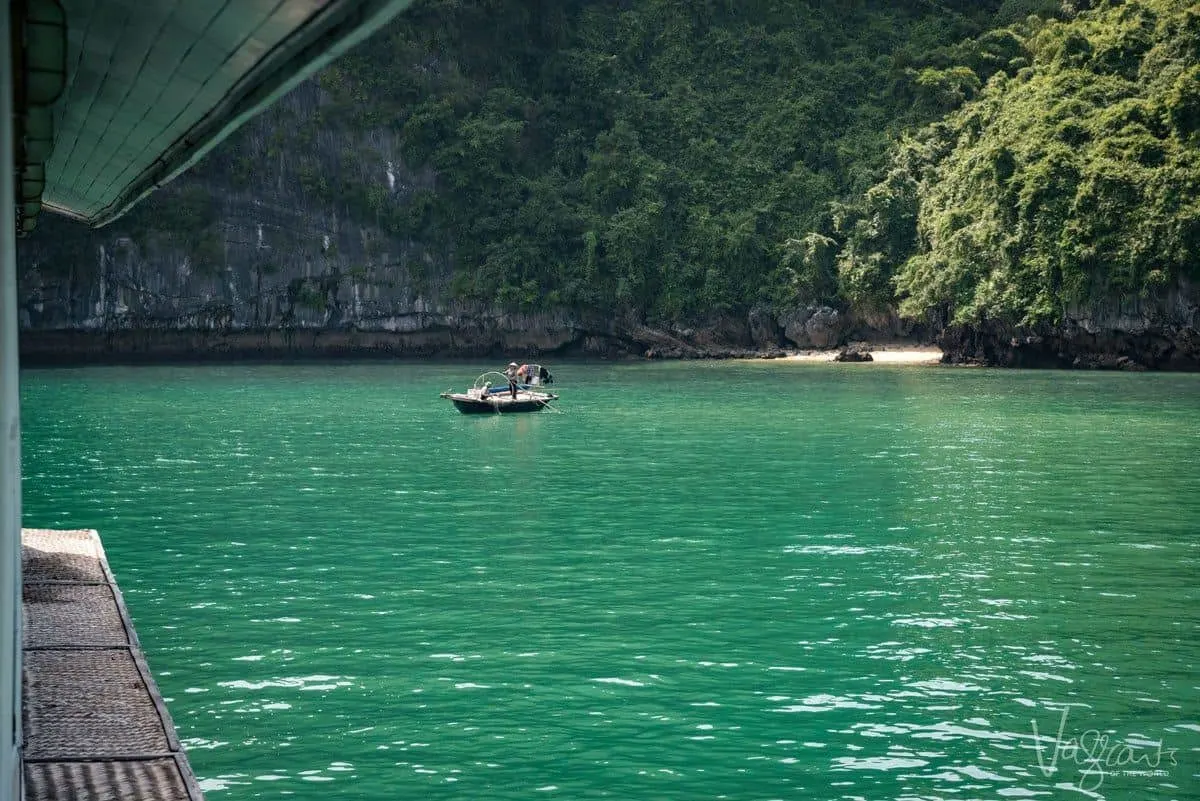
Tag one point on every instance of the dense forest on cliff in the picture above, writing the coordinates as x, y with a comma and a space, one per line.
654, 157
664, 161
673, 160
1072, 177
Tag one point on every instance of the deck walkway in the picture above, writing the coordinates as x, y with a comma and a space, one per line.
95, 727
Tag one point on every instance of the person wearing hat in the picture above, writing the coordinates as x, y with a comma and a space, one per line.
511, 374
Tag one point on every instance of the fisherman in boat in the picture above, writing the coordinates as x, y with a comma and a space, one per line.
511, 374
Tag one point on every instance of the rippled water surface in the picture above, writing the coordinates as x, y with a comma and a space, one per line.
697, 581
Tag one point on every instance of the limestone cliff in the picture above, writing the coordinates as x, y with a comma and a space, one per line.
632, 211
252, 254
1123, 334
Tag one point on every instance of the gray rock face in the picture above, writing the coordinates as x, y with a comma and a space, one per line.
765, 332
813, 326
248, 240
1122, 334
793, 322
825, 328
855, 352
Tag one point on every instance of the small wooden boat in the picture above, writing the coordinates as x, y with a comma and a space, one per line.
491, 395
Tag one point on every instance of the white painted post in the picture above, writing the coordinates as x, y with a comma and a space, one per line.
10, 444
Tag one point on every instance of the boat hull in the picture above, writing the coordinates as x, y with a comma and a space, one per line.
501, 404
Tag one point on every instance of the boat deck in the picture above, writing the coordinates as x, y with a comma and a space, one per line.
95, 727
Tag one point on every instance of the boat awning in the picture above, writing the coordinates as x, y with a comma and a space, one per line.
150, 86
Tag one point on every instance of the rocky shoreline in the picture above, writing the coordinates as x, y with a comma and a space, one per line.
1074, 347
814, 333
426, 333
152, 346
998, 347
76, 349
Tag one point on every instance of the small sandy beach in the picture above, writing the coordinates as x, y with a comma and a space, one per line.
880, 354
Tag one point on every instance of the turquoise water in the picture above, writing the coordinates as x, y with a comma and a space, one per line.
698, 581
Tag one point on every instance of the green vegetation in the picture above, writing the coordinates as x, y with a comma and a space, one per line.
655, 158
1075, 179
666, 160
